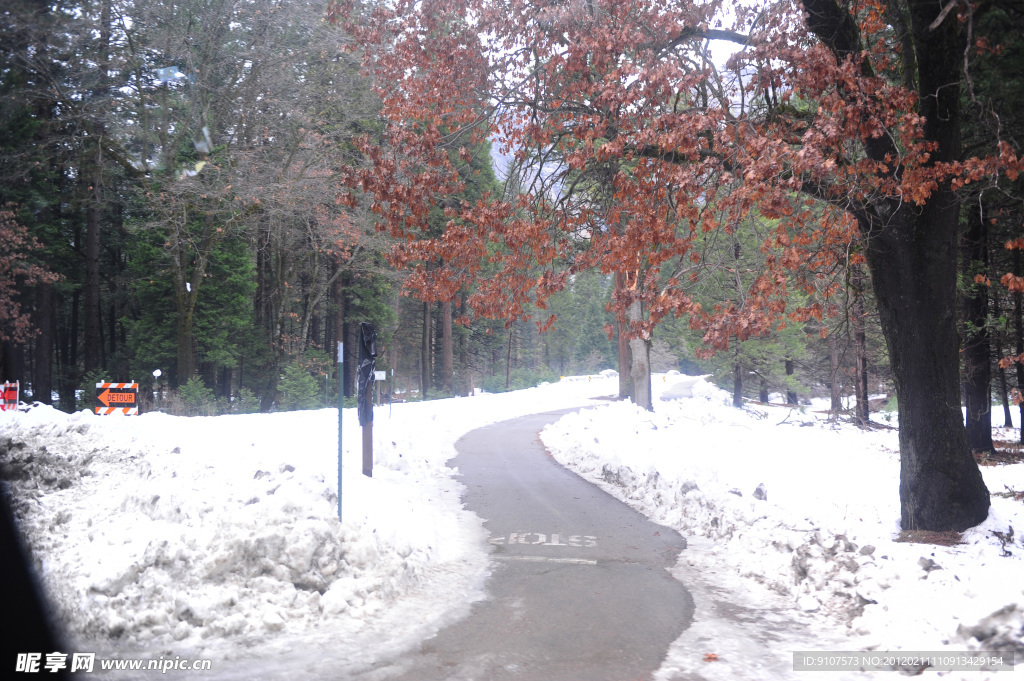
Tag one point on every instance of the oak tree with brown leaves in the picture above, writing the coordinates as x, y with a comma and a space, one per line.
838, 121
17, 269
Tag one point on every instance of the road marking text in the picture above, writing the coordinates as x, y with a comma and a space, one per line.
538, 539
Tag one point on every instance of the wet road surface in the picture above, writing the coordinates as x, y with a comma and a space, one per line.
580, 588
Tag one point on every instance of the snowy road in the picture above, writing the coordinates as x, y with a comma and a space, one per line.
580, 587
163, 537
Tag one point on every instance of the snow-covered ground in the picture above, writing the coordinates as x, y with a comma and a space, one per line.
218, 538
809, 510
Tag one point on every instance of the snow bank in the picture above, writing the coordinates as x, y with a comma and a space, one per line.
212, 537
810, 510
219, 537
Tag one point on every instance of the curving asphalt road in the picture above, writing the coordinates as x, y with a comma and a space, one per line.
580, 588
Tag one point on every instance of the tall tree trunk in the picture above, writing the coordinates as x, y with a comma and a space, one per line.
184, 304
737, 385
425, 353
940, 485
351, 358
42, 382
977, 351
912, 256
76, 305
185, 353
860, 347
447, 350
762, 393
65, 369
10, 362
640, 361
315, 332
1004, 394
625, 383
1018, 331
508, 357
791, 397
328, 321
1004, 398
224, 379
396, 346
111, 332
92, 341
186, 291
835, 388
464, 371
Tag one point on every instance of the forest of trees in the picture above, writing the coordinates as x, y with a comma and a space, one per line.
224, 190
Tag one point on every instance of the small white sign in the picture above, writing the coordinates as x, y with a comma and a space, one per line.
380, 375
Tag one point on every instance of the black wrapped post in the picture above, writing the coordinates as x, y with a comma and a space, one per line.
367, 365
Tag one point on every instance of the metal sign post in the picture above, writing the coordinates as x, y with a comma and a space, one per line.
341, 403
156, 385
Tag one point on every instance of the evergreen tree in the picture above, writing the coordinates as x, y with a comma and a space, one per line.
223, 321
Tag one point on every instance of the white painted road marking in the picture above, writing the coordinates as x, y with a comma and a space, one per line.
546, 559
538, 539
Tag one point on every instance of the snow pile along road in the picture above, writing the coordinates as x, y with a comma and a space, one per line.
219, 537
810, 510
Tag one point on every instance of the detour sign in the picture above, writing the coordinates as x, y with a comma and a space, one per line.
117, 398
10, 396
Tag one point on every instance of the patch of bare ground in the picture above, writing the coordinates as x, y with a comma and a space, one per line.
950, 538
1010, 493
1007, 452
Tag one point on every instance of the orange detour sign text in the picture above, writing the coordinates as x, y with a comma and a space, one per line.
117, 398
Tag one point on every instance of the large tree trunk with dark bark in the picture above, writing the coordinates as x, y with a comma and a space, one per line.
462, 386
12, 361
912, 255
1018, 332
860, 347
447, 350
425, 368
1000, 371
940, 485
351, 358
92, 341
42, 382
